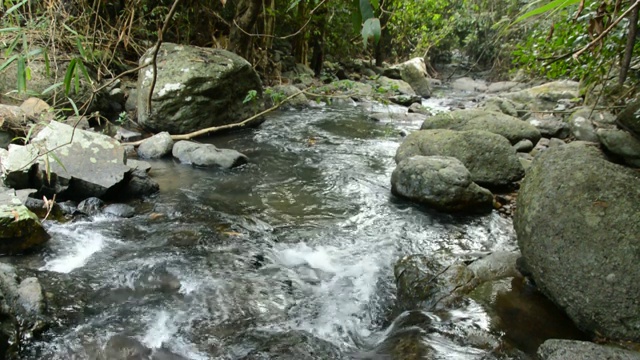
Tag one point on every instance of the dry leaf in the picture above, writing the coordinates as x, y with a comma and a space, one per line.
15, 214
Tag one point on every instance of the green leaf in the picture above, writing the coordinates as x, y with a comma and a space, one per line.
371, 29
57, 160
293, 4
554, 5
12, 46
68, 76
70, 29
22, 76
366, 10
8, 62
51, 88
83, 71
14, 7
80, 48
75, 108
47, 64
375, 4
9, 29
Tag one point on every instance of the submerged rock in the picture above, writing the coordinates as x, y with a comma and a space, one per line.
91, 206
578, 232
119, 210
489, 157
195, 88
439, 182
207, 155
510, 127
290, 345
556, 349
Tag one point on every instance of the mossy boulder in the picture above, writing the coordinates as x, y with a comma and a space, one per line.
20, 229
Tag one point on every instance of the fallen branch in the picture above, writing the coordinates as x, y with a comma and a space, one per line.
214, 129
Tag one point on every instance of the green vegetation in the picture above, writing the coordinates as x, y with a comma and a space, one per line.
92, 39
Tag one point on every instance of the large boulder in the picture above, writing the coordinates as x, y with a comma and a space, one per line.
70, 162
621, 143
578, 230
414, 72
510, 127
489, 157
195, 88
439, 182
20, 229
557, 349
546, 96
629, 118
207, 155
388, 86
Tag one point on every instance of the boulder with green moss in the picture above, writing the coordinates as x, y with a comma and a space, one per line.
20, 229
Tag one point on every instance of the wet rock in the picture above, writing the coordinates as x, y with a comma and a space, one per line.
119, 210
556, 349
510, 127
502, 105
140, 184
121, 347
392, 86
439, 182
91, 206
423, 283
388, 117
419, 109
629, 118
621, 143
86, 163
30, 295
68, 207
138, 165
551, 128
489, 157
290, 345
355, 90
157, 146
581, 239
279, 92
495, 266
192, 84
20, 229
5, 140
523, 146
414, 73
405, 100
584, 121
207, 155
469, 84
164, 354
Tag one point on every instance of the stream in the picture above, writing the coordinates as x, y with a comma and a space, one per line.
288, 257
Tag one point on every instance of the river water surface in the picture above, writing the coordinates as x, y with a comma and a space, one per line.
298, 246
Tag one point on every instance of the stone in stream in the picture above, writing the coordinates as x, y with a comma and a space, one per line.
20, 229
510, 127
290, 345
76, 164
545, 97
489, 157
196, 88
119, 210
157, 146
578, 230
207, 155
557, 349
91, 206
440, 182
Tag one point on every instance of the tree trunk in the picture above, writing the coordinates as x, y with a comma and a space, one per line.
246, 16
631, 41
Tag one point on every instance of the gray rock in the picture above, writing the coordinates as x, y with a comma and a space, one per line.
389, 117
523, 146
577, 229
495, 266
553, 142
551, 128
157, 146
510, 127
207, 155
132, 100
393, 86
140, 184
414, 73
290, 345
138, 165
80, 163
556, 349
502, 105
581, 126
30, 295
489, 157
91, 206
621, 143
121, 347
423, 283
279, 92
126, 135
196, 88
20, 229
469, 84
5, 139
439, 182
546, 96
119, 210
405, 100
629, 118
419, 109
503, 86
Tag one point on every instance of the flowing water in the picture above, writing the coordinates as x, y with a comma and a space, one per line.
298, 246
